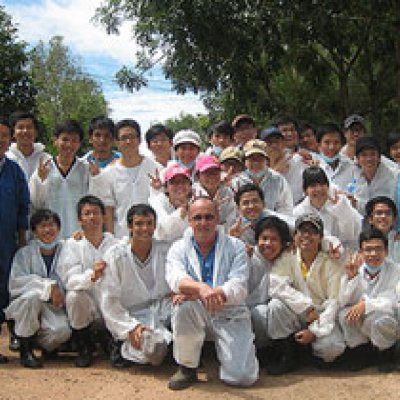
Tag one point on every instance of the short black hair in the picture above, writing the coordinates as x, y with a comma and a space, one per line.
5, 121
369, 207
44, 214
102, 122
222, 127
305, 126
248, 187
392, 138
140, 209
313, 175
131, 123
18, 115
69, 126
370, 233
277, 224
93, 201
157, 130
285, 119
330, 128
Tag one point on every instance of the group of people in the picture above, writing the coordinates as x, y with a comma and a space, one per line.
277, 245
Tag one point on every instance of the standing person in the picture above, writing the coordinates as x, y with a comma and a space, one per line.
210, 270
14, 210
244, 129
393, 147
135, 297
374, 177
25, 151
101, 137
368, 302
307, 138
288, 127
125, 182
187, 144
81, 269
37, 298
277, 193
220, 137
60, 182
354, 128
159, 141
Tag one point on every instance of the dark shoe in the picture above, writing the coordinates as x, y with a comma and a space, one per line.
27, 357
386, 360
84, 344
14, 344
284, 360
3, 359
183, 378
116, 359
359, 357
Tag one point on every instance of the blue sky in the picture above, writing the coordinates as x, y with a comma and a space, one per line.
102, 55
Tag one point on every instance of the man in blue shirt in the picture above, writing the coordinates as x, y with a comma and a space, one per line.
14, 209
209, 270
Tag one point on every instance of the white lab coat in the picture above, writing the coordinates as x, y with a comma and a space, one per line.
30, 163
30, 290
230, 327
340, 220
75, 269
322, 287
170, 224
379, 324
61, 193
126, 301
277, 194
120, 187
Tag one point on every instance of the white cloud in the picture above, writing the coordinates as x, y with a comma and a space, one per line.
43, 19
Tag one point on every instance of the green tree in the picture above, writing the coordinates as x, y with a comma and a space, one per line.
64, 90
17, 91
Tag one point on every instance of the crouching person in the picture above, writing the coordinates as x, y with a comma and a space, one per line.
37, 300
314, 274
210, 270
135, 298
81, 268
368, 301
273, 303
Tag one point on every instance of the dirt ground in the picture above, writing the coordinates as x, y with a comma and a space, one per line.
62, 381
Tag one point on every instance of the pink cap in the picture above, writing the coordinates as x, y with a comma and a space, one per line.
175, 170
205, 162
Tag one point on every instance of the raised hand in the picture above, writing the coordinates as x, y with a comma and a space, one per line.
230, 174
334, 251
353, 264
155, 180
43, 169
238, 228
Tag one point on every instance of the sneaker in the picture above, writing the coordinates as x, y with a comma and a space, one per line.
183, 378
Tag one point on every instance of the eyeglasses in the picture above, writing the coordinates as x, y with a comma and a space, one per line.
206, 217
373, 249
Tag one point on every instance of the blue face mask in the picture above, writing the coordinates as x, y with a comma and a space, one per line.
216, 150
372, 270
189, 166
252, 174
48, 246
329, 160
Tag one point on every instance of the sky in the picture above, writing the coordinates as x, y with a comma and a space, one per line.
101, 55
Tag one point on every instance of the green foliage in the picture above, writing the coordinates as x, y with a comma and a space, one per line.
16, 87
64, 90
316, 59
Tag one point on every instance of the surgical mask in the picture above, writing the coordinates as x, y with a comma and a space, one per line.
216, 150
189, 166
252, 174
48, 246
330, 160
372, 270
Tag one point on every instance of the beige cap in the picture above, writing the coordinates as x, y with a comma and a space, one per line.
255, 146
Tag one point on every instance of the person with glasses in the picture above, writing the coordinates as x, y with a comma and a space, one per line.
210, 270
368, 314
381, 212
125, 182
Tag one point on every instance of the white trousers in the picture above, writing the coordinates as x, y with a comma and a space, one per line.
232, 333
378, 327
81, 308
33, 316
